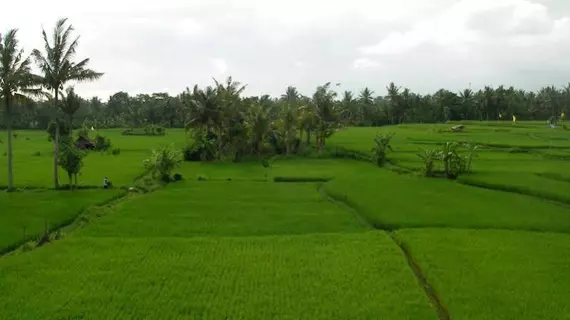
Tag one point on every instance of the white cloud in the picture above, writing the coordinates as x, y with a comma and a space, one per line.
365, 63
220, 66
269, 44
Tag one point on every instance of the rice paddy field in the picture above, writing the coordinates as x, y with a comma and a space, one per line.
306, 238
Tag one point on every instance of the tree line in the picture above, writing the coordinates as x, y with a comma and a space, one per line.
225, 123
364, 108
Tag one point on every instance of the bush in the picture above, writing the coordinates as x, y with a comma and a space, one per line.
162, 162
191, 153
83, 132
36, 154
429, 158
177, 177
116, 152
102, 143
128, 132
150, 130
202, 147
201, 177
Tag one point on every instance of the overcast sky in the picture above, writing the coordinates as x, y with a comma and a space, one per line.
167, 45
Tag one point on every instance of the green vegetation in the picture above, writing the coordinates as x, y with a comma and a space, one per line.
289, 207
318, 276
248, 208
490, 274
26, 215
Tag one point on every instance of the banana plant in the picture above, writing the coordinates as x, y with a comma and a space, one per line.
429, 157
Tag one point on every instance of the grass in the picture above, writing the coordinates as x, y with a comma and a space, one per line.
319, 276
25, 215
490, 274
221, 208
389, 200
511, 157
33, 159
235, 241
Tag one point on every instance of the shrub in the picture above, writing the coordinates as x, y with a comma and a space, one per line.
429, 158
380, 150
127, 132
83, 132
15, 135
202, 147
177, 177
102, 143
201, 177
36, 154
116, 151
453, 163
150, 130
162, 162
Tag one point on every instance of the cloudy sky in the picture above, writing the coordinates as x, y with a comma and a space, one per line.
425, 45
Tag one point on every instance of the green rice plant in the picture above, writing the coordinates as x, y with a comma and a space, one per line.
495, 274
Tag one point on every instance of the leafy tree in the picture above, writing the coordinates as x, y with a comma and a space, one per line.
57, 68
16, 82
71, 160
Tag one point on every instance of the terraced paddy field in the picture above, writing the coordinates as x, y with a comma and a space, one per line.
342, 239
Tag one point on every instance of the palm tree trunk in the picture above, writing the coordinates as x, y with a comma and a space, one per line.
70, 122
56, 144
9, 129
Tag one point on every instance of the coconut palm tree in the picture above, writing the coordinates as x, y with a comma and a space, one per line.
58, 68
16, 82
71, 103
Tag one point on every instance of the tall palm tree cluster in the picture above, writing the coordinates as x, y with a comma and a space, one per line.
364, 108
56, 62
225, 125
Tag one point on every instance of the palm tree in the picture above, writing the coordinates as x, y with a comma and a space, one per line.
16, 80
291, 94
58, 68
326, 116
71, 103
